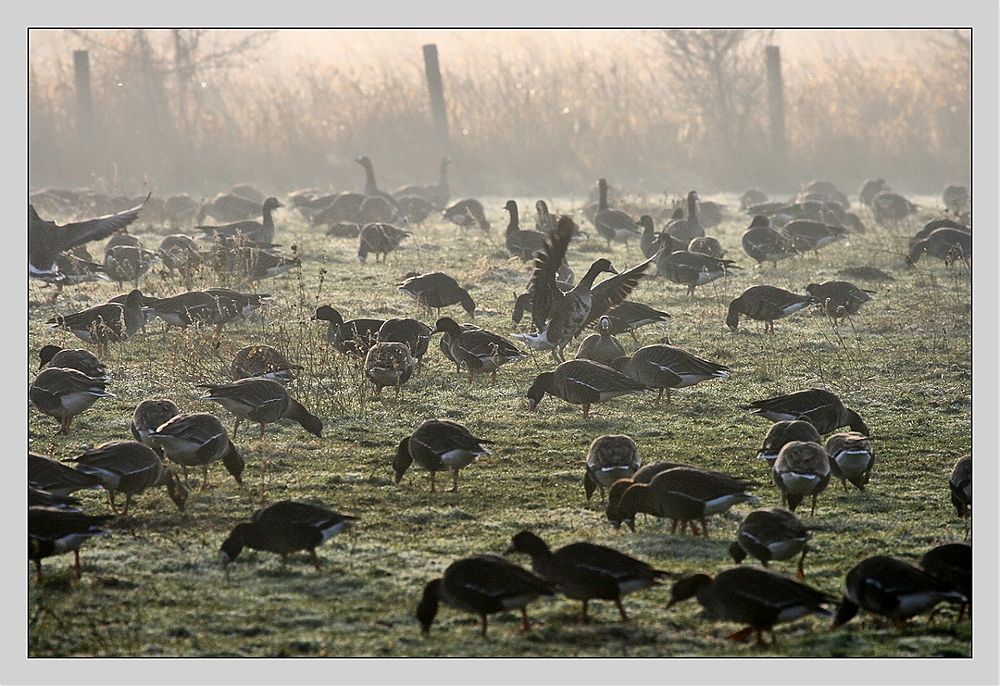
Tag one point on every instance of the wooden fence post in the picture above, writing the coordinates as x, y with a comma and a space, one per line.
776, 103
438, 110
84, 99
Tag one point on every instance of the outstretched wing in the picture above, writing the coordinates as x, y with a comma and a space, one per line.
545, 293
614, 291
72, 235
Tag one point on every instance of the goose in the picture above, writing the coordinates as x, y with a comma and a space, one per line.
664, 367
379, 209
148, 416
56, 478
956, 198
127, 263
73, 269
435, 194
103, 324
952, 564
187, 309
828, 190
586, 571
601, 347
344, 230
765, 304
839, 298
46, 239
686, 229
435, 290
481, 585
751, 197
651, 243
379, 239
194, 439
692, 269
284, 527
544, 221
771, 534
891, 207
415, 334
415, 208
468, 212
262, 401
764, 244
65, 393
892, 588
851, 458
122, 240
353, 337
233, 303
942, 223
130, 467
373, 192
629, 316
521, 244
438, 445
178, 252
812, 235
784, 432
960, 485
76, 358
38, 497
706, 245
870, 189
612, 225
755, 597
55, 530
261, 232
582, 382
609, 459
479, 350
262, 362
802, 468
445, 344
389, 364
343, 207
681, 494
948, 244
821, 408
228, 207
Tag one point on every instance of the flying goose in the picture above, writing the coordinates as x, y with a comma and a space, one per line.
801, 469
481, 585
612, 225
65, 393
851, 458
354, 336
585, 571
284, 527
771, 534
582, 382
197, 439
609, 459
821, 408
260, 233
388, 364
755, 597
130, 467
479, 350
56, 530
438, 445
262, 401
765, 304
435, 290
664, 367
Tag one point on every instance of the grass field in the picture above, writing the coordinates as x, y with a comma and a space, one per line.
154, 586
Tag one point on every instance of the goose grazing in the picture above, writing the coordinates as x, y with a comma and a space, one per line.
179, 253
945, 243
389, 364
870, 189
415, 334
692, 269
601, 347
960, 485
706, 245
771, 534
952, 564
130, 467
127, 263
582, 382
438, 445
892, 588
65, 393
414, 208
436, 194
379, 239
195, 439
681, 494
187, 309
468, 212
46, 239
629, 316
764, 244
262, 362
851, 458
821, 408
585, 571
956, 198
784, 432
612, 225
284, 527
76, 358
260, 233
262, 401
664, 367
479, 350
445, 344
521, 244
942, 223
103, 324
755, 597
544, 221
353, 337
651, 243
481, 585
56, 530
839, 298
148, 416
812, 235
801, 469
891, 207
765, 304
686, 229
435, 290
609, 459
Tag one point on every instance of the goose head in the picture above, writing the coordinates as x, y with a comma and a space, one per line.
328, 314
541, 385
688, 587
447, 325
272, 204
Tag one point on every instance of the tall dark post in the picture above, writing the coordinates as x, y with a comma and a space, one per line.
776, 103
84, 100
438, 110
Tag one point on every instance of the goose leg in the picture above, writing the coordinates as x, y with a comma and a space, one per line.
586, 410
398, 391
64, 425
813, 512
378, 391
525, 624
800, 571
262, 429
314, 558
128, 501
673, 526
694, 529
111, 501
432, 480
494, 377
38, 571
236, 426
621, 609
77, 567
843, 482
454, 482
704, 527
584, 619
482, 621
658, 398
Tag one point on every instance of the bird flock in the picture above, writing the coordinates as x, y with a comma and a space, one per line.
813, 437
